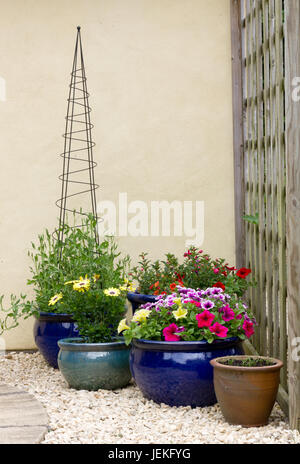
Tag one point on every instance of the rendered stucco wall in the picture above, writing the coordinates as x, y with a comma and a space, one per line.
159, 74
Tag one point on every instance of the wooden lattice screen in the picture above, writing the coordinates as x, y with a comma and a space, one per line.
261, 145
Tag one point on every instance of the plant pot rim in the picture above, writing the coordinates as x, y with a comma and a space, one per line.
217, 364
69, 344
184, 345
54, 317
137, 294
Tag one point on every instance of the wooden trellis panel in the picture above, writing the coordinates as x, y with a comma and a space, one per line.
261, 142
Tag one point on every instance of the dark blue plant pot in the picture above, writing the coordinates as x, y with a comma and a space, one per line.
179, 373
94, 366
48, 329
138, 299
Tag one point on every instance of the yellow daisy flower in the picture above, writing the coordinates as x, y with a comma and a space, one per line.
55, 299
141, 315
82, 285
122, 326
96, 277
112, 292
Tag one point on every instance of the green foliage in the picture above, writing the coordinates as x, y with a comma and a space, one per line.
97, 311
248, 362
198, 270
252, 219
54, 263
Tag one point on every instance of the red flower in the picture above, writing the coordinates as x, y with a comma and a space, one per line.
169, 333
196, 303
205, 319
163, 293
248, 328
243, 272
219, 285
173, 287
230, 269
219, 330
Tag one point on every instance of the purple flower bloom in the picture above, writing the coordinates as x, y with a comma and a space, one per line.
216, 291
228, 314
207, 304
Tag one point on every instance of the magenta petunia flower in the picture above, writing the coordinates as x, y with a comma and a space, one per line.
228, 313
248, 328
170, 333
205, 319
219, 330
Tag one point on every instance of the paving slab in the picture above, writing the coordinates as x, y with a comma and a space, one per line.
23, 419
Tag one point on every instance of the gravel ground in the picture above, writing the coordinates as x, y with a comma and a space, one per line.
124, 416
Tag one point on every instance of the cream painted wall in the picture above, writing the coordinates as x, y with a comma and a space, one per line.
159, 74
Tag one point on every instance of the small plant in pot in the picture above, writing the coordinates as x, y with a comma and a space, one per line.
99, 358
246, 388
175, 338
52, 264
198, 270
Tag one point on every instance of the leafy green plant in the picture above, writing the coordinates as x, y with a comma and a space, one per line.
198, 271
248, 362
54, 263
252, 219
97, 311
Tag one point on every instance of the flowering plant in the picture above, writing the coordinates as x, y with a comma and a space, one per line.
97, 311
191, 315
198, 270
53, 263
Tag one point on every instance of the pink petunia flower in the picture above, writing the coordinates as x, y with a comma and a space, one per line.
196, 303
248, 328
205, 319
228, 313
219, 330
170, 333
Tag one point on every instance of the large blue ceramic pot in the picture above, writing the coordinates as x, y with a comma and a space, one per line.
179, 373
48, 329
94, 366
138, 299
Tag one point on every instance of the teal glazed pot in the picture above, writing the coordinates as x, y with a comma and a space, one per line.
94, 366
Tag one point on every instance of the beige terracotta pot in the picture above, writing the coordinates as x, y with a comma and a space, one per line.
246, 395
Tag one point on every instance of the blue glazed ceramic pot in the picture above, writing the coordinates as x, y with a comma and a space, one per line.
94, 366
179, 373
48, 329
138, 299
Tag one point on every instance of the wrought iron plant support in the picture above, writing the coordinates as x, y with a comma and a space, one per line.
78, 162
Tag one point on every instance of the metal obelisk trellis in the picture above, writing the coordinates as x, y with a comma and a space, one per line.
78, 162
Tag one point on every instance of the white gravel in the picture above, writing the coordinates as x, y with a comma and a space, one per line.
124, 416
